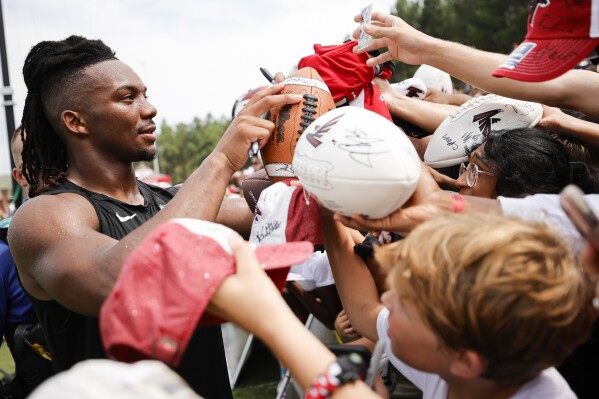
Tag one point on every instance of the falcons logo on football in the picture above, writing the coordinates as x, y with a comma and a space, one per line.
413, 92
486, 120
314, 138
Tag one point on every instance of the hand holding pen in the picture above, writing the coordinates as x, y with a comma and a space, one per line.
255, 147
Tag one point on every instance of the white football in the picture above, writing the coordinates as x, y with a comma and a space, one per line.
356, 161
468, 125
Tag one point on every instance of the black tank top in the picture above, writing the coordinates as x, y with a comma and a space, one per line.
73, 337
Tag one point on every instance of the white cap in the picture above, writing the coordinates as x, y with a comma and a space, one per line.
435, 78
103, 379
411, 87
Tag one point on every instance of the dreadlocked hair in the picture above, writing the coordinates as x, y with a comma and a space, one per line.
51, 67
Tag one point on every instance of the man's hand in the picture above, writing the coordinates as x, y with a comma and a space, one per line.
427, 202
248, 294
552, 119
403, 42
248, 126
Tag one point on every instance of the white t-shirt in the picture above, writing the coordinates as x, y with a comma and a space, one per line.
315, 272
545, 208
549, 384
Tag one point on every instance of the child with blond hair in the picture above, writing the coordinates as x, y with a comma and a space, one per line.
477, 306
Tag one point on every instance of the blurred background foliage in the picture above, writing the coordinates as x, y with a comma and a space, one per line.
491, 25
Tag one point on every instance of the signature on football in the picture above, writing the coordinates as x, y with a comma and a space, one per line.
450, 142
360, 147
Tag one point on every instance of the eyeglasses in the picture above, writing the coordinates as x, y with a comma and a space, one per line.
472, 172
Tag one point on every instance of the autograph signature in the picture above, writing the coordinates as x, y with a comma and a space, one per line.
450, 142
360, 146
267, 230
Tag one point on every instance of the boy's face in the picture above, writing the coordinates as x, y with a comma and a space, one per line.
412, 340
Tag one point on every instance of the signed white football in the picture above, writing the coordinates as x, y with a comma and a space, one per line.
355, 161
468, 125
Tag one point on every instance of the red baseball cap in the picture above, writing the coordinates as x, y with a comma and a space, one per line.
168, 281
560, 34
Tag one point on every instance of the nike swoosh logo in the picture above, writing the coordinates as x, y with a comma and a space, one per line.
123, 219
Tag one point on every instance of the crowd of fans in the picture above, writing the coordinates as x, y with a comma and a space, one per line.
478, 286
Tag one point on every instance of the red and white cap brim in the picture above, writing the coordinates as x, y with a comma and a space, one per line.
542, 60
560, 34
167, 282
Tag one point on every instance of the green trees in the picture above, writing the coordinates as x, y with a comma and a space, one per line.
183, 148
491, 25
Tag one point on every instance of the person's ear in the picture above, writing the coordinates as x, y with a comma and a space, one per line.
19, 178
467, 364
74, 122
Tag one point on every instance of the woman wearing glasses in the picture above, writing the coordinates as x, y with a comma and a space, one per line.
521, 162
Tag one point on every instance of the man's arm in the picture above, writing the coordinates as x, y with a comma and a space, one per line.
424, 114
574, 90
585, 131
249, 299
437, 96
353, 280
427, 202
60, 253
237, 215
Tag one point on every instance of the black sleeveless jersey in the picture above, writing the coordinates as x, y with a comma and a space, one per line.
73, 337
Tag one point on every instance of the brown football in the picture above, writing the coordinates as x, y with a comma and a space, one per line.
291, 121
253, 185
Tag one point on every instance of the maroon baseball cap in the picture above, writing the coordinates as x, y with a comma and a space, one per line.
560, 34
168, 281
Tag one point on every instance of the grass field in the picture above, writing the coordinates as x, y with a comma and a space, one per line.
6, 363
258, 380
260, 375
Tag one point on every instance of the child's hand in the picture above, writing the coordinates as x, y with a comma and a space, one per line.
344, 327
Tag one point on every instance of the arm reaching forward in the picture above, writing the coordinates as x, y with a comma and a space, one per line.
573, 90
